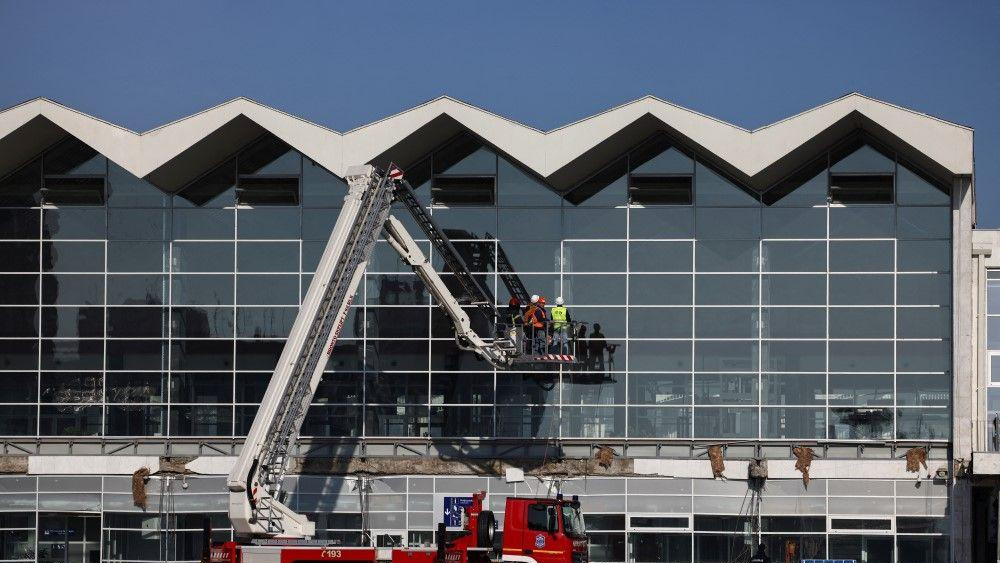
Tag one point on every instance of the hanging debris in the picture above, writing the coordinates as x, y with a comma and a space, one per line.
604, 456
757, 469
139, 487
915, 457
804, 458
718, 466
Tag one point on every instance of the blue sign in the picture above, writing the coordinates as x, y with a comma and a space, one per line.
539, 541
453, 507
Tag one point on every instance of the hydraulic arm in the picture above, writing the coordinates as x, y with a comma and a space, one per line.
255, 481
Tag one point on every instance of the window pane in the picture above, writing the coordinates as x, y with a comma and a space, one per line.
726, 255
794, 389
607, 289
786, 423
594, 223
268, 256
73, 289
794, 256
861, 356
725, 422
516, 187
794, 289
660, 289
136, 289
727, 223
667, 355
660, 256
924, 256
726, 322
924, 222
137, 256
19, 223
660, 389
659, 422
138, 224
74, 223
911, 189
933, 289
661, 222
659, 322
203, 223
790, 222
202, 257
726, 289
69, 322
860, 424
19, 256
860, 289
126, 190
873, 221
64, 256
201, 322
861, 322
861, 389
869, 256
594, 256
794, 322
269, 223
794, 356
713, 189
723, 355
724, 389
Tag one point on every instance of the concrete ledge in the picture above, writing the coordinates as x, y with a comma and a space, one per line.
986, 463
90, 464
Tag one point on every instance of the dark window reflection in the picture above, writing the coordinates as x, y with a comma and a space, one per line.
71, 420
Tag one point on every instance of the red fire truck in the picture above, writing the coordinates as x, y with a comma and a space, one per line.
536, 530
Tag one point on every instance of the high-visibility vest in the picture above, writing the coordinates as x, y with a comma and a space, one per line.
559, 316
531, 317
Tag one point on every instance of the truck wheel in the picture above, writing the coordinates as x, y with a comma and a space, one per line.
486, 528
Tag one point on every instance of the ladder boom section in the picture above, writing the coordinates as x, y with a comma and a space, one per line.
255, 481
497, 352
476, 292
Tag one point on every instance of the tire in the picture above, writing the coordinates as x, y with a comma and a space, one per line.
486, 529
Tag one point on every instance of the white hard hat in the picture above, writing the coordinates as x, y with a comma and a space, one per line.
534, 298
559, 300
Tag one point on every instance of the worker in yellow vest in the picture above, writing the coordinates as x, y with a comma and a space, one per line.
560, 327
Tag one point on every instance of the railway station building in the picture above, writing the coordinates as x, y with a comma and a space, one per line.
810, 294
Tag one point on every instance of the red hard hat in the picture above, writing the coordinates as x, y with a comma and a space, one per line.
514, 302
541, 300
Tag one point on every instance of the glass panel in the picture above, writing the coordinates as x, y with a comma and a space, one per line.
912, 189
794, 356
794, 322
726, 289
202, 289
861, 356
860, 424
802, 188
794, 256
661, 222
924, 256
202, 322
271, 223
669, 355
726, 322
861, 322
64, 256
203, 223
516, 187
864, 159
19, 223
660, 389
934, 289
788, 423
594, 256
868, 221
725, 422
530, 224
137, 256
607, 187
868, 256
923, 390
581, 289
659, 322
660, 256
727, 223
320, 188
918, 322
126, 190
202, 257
861, 389
217, 188
19, 256
594, 223
657, 289
713, 189
726, 256
140, 289
794, 289
724, 389
267, 256
924, 222
73, 289
74, 223
794, 389
725, 355
861, 290
138, 224
659, 422
809, 222
61, 322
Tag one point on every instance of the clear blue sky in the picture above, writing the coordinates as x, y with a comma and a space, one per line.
342, 63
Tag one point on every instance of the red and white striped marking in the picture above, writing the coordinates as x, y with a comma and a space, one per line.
557, 357
395, 173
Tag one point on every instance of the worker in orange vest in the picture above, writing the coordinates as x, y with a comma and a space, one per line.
534, 328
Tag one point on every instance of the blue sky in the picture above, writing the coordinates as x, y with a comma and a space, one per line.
542, 63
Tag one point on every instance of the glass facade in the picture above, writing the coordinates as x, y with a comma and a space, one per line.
819, 309
732, 315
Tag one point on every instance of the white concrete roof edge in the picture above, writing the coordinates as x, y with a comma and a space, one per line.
544, 153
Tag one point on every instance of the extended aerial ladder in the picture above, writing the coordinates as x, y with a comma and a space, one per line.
255, 482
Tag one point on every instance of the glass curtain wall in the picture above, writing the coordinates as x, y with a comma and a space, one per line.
818, 310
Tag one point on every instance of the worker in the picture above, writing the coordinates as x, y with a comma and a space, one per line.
560, 327
543, 315
580, 344
514, 311
533, 325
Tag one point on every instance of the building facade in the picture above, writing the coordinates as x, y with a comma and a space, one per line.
798, 286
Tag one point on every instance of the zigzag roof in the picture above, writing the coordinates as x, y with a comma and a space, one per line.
169, 154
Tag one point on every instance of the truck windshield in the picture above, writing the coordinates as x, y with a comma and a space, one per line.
573, 521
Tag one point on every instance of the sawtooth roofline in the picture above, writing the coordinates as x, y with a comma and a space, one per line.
28, 127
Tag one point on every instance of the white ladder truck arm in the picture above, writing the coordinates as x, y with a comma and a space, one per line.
255, 482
